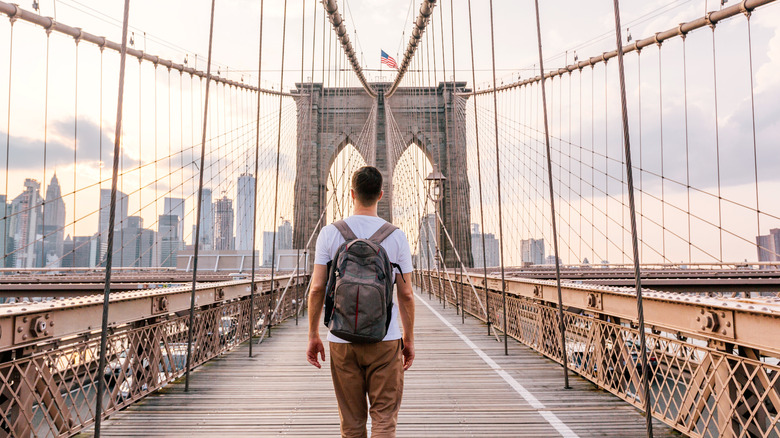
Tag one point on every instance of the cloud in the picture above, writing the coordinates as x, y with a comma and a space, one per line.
27, 153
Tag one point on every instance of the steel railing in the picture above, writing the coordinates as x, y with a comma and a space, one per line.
713, 363
49, 350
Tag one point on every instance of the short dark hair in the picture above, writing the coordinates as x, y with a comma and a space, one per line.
367, 184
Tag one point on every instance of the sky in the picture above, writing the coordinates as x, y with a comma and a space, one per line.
179, 30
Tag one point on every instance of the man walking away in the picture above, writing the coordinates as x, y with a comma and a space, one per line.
352, 254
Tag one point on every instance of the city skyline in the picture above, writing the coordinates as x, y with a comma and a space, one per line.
35, 233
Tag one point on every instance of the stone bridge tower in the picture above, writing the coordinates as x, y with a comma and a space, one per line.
331, 118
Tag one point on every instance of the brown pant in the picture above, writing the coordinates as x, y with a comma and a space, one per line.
373, 369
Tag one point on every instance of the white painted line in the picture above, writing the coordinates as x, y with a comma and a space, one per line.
551, 418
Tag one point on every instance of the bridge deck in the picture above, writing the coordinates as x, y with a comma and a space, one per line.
454, 389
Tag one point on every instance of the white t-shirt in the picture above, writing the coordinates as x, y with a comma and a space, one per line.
396, 245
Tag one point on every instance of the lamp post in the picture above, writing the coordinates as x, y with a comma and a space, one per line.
435, 185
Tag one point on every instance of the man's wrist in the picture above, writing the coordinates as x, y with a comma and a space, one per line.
314, 335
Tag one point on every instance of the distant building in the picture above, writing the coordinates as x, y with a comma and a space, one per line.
285, 235
268, 242
550, 260
426, 245
103, 216
532, 251
492, 249
77, 252
768, 246
175, 207
283, 242
6, 238
168, 240
53, 225
134, 245
206, 221
223, 225
26, 221
245, 211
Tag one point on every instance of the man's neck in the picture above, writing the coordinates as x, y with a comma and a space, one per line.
365, 211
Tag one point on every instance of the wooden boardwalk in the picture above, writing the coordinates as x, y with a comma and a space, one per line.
461, 385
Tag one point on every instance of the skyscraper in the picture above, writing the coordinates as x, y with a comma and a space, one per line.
6, 239
223, 225
77, 251
168, 240
268, 246
119, 220
426, 246
245, 211
53, 225
491, 248
133, 245
284, 235
25, 222
206, 221
532, 251
768, 246
175, 207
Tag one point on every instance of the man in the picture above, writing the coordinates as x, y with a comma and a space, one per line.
373, 369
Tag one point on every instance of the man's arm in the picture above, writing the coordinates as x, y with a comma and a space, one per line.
403, 284
319, 280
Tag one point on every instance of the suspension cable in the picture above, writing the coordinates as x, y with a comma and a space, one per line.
634, 239
101, 384
201, 171
341, 32
426, 9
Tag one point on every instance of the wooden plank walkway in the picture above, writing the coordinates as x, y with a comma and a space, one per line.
451, 391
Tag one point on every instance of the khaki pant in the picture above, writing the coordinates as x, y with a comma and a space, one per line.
375, 370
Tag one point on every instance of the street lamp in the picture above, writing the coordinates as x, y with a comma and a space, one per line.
435, 182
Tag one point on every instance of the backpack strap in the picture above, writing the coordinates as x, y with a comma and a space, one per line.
345, 230
383, 233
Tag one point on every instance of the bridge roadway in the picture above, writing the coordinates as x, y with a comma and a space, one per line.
461, 385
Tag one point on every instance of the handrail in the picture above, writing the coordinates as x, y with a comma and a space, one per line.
49, 377
703, 382
748, 322
78, 315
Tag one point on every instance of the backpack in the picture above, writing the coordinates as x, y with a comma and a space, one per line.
359, 292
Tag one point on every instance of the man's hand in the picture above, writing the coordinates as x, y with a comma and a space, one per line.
316, 299
316, 347
408, 354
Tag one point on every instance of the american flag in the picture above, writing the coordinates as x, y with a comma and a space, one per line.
388, 60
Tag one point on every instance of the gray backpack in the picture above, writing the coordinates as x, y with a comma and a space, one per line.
359, 294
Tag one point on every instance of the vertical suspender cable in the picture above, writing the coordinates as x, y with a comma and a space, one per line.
296, 300
455, 118
200, 199
8, 135
753, 125
498, 179
276, 184
101, 383
479, 178
45, 150
561, 323
257, 167
634, 240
